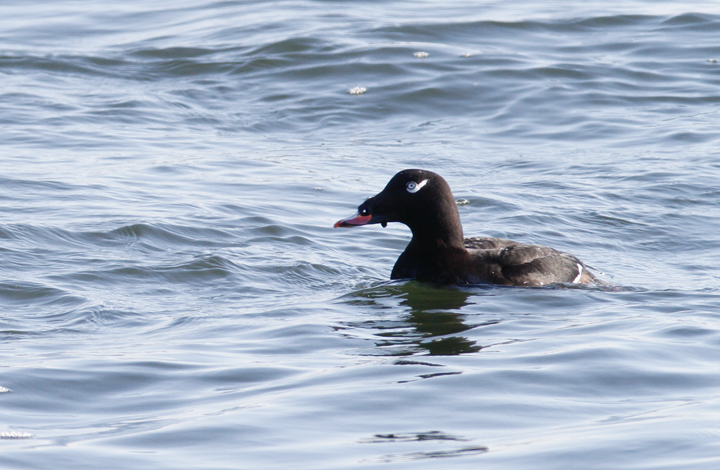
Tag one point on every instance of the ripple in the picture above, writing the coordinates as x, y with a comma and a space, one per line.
23, 293
448, 87
199, 270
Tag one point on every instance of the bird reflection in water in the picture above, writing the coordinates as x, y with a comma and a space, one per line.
431, 325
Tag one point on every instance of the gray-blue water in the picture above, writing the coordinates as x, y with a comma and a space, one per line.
173, 294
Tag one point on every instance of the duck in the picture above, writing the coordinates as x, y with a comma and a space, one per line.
439, 253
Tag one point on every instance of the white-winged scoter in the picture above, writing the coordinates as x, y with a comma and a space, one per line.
439, 253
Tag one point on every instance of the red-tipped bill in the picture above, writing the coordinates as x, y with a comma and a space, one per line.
352, 221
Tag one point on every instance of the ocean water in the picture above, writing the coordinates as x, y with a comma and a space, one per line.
173, 294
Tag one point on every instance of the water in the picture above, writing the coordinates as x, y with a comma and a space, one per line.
173, 294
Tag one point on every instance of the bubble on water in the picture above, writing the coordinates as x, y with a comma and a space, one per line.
462, 202
358, 90
466, 54
3, 389
15, 435
421, 55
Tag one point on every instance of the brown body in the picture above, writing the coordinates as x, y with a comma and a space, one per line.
438, 252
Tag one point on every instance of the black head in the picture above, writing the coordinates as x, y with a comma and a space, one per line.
420, 199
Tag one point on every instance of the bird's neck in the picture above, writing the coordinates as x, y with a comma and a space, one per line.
438, 234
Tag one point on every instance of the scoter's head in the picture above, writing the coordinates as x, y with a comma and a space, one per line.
420, 199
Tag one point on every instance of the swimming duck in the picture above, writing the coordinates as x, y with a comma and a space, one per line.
439, 253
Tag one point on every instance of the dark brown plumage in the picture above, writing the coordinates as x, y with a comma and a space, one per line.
439, 253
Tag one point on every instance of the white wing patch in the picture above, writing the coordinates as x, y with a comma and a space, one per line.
580, 273
413, 187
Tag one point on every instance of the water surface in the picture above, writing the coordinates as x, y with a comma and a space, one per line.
173, 294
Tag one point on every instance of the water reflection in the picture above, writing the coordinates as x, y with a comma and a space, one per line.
431, 325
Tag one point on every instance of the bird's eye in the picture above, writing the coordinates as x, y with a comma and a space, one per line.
413, 187
364, 212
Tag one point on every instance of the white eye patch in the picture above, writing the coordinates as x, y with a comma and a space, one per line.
413, 187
